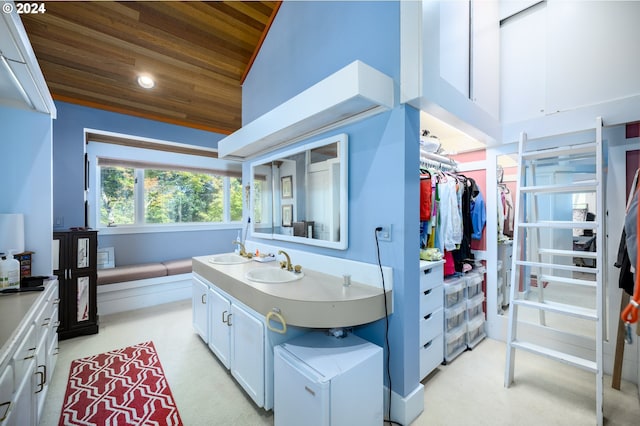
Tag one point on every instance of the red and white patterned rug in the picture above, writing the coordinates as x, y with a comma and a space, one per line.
122, 387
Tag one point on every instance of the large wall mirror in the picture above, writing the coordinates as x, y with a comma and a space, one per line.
301, 195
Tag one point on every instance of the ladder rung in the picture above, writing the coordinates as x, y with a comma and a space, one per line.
570, 253
560, 224
560, 308
583, 186
565, 358
566, 280
557, 266
557, 152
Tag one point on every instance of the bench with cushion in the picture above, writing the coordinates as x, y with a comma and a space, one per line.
144, 270
131, 287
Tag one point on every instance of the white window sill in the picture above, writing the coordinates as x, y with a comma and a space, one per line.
130, 229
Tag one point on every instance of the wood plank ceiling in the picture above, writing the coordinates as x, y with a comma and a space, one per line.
198, 52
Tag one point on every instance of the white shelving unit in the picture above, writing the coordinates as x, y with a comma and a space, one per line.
431, 316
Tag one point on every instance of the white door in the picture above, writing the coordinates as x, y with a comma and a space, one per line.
199, 306
247, 353
219, 330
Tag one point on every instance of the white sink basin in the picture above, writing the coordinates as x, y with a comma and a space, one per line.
228, 259
272, 275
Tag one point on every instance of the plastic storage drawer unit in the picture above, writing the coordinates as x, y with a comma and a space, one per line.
475, 332
474, 284
453, 291
474, 306
454, 317
455, 343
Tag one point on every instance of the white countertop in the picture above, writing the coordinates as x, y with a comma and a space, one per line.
317, 300
14, 308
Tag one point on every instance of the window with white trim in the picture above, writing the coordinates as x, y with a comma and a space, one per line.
139, 188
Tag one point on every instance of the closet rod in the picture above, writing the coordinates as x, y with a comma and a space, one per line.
437, 157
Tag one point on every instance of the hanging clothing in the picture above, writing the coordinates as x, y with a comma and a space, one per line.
630, 228
509, 212
478, 213
449, 228
425, 196
627, 257
505, 213
625, 280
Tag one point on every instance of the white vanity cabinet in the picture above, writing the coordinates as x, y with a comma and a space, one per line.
431, 316
239, 337
220, 330
29, 355
200, 315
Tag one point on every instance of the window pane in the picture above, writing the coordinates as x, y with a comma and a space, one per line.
117, 196
179, 197
235, 193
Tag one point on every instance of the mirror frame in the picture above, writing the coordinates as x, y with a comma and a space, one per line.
343, 153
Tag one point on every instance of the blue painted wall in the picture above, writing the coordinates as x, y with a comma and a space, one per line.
68, 183
321, 38
25, 178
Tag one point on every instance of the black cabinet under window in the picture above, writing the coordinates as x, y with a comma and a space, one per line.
74, 262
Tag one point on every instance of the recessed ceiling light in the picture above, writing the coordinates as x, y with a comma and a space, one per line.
146, 81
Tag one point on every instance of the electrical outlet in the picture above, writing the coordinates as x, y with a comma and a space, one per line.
385, 234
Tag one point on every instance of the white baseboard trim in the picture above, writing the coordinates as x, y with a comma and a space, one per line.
405, 410
132, 295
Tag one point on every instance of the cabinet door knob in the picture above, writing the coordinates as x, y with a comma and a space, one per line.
229, 319
203, 299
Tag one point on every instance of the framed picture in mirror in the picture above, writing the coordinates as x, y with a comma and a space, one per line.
287, 214
286, 188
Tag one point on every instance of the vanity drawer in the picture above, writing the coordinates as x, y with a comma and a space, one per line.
25, 352
431, 325
431, 355
431, 276
430, 300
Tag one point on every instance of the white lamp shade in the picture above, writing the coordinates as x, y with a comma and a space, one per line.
12, 233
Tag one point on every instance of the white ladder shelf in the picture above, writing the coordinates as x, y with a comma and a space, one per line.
542, 263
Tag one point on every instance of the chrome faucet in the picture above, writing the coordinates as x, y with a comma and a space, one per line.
243, 251
286, 264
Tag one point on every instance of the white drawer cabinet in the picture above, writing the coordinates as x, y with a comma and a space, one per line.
28, 355
431, 316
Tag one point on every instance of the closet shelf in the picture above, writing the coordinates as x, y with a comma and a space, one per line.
354, 92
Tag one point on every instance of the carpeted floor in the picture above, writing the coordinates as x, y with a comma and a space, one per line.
467, 391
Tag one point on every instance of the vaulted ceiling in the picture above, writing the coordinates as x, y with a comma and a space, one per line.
199, 52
